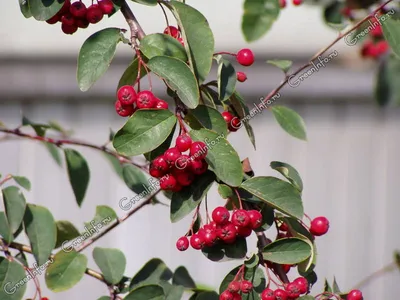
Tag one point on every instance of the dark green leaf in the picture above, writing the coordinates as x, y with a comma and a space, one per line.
181, 277
333, 15
391, 31
96, 55
335, 287
209, 96
207, 296
287, 251
15, 204
226, 78
112, 263
276, 193
148, 292
78, 173
252, 262
104, 298
153, 271
327, 287
382, 86
290, 121
225, 252
23, 181
146, 2
54, 152
158, 44
172, 292
254, 275
103, 217
284, 65
5, 231
115, 163
40, 129
24, 6
130, 75
11, 274
387, 89
178, 77
225, 191
295, 227
162, 148
41, 230
144, 132
207, 117
43, 10
66, 271
66, 231
289, 173
135, 179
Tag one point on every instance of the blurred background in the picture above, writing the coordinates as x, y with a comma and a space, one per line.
349, 164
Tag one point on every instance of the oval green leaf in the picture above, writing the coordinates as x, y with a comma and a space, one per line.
222, 159
96, 55
287, 251
207, 117
112, 263
66, 271
282, 64
146, 2
391, 31
41, 230
148, 292
154, 271
43, 10
290, 121
23, 181
159, 44
15, 204
24, 7
254, 275
179, 78
66, 231
183, 278
226, 78
289, 173
11, 274
5, 231
144, 132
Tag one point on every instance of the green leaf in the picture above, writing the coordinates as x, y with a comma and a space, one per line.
209, 96
290, 121
146, 2
252, 262
172, 292
15, 204
209, 295
43, 10
226, 78
40, 129
225, 191
182, 277
11, 274
289, 173
54, 152
276, 193
134, 178
23, 181
284, 65
66, 271
130, 75
104, 298
5, 231
296, 228
382, 91
185, 201
225, 252
148, 292
258, 17
222, 158
198, 38
335, 287
144, 131
103, 217
307, 297
66, 231
327, 287
24, 6
78, 173
112, 263
391, 31
96, 55
153, 271
178, 77
162, 148
115, 163
158, 44
333, 15
287, 251
41, 230
254, 275
207, 117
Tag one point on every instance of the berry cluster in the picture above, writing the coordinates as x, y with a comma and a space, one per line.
283, 3
77, 15
176, 169
245, 57
241, 224
234, 288
292, 290
128, 101
175, 33
376, 45
233, 122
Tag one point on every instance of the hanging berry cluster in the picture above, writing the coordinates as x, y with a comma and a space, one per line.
375, 46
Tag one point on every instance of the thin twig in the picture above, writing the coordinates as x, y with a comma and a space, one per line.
135, 28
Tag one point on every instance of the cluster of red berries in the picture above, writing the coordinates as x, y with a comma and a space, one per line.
245, 57
376, 45
128, 101
234, 288
233, 122
292, 290
176, 169
241, 224
283, 3
77, 15
175, 33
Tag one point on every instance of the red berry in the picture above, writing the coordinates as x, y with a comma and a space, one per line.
127, 95
199, 166
302, 284
196, 241
355, 295
282, 3
234, 286
183, 142
286, 268
227, 117
382, 47
293, 290
156, 173
268, 294
78, 9
198, 150
54, 20
255, 218
146, 99
161, 104
183, 163
297, 2
244, 231
227, 233
241, 76
122, 110
246, 286
245, 57
94, 14
376, 31
283, 227
319, 226
172, 31
280, 294
209, 236
180, 40
82, 23
236, 296
68, 20
227, 295
220, 215
240, 218
182, 244
160, 163
168, 182
65, 8
45, 298
185, 178
171, 155
106, 6
235, 124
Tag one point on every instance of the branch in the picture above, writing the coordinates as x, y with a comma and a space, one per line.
135, 28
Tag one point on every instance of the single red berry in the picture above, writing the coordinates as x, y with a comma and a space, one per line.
382, 47
168, 182
78, 9
209, 236
122, 110
227, 117
268, 294
236, 296
220, 215
171, 155
106, 6
280, 294
241, 76
286, 268
302, 284
319, 226
54, 20
226, 295
235, 124
255, 218
196, 241
244, 231
180, 40
282, 3
240, 218
234, 286
127, 95
355, 295
185, 178
156, 173
283, 227
82, 23
160, 163
210, 226
172, 31
161, 104
94, 14
246, 286
146, 99
68, 20
198, 150
245, 57
297, 2
292, 290
377, 31
45, 298
199, 166
227, 233
177, 188
183, 142
183, 163
182, 243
